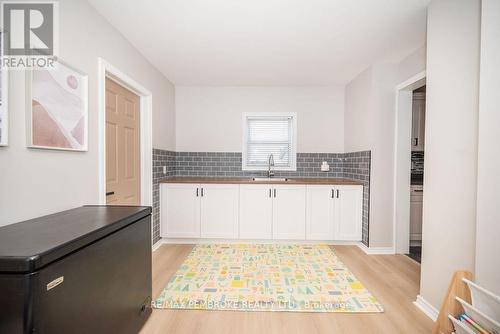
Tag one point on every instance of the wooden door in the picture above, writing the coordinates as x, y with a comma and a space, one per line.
348, 209
219, 210
180, 210
289, 212
256, 212
320, 213
123, 175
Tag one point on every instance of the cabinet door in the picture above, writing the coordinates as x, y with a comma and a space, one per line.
418, 122
256, 212
219, 210
348, 208
416, 217
180, 211
319, 209
421, 126
289, 212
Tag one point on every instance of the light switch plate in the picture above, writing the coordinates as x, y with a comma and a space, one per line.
164, 169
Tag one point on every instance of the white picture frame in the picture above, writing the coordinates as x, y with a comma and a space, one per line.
57, 108
4, 107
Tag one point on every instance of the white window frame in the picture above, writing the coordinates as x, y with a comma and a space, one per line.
293, 162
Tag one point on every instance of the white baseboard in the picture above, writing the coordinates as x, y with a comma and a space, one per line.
376, 250
193, 241
426, 307
157, 244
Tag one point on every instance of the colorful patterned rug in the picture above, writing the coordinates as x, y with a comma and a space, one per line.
266, 277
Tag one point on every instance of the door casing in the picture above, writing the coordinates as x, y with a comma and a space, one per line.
106, 70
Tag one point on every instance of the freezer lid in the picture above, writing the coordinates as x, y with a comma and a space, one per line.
28, 246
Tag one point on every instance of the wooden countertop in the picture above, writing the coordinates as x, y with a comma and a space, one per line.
248, 180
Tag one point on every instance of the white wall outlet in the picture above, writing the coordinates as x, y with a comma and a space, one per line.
164, 170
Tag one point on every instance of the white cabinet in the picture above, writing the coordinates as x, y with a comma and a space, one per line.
272, 212
320, 218
348, 210
180, 210
289, 212
418, 122
194, 210
416, 200
256, 211
261, 211
219, 210
334, 212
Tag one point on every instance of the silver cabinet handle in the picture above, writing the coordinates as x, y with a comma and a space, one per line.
338, 192
201, 192
274, 192
197, 192
269, 192
332, 193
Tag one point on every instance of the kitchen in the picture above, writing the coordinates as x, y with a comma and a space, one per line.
220, 167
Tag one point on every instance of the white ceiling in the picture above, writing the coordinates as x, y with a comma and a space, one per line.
267, 42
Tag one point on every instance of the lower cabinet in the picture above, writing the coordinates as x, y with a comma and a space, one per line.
261, 211
334, 212
199, 210
256, 211
272, 212
289, 212
219, 210
320, 213
348, 209
416, 198
180, 210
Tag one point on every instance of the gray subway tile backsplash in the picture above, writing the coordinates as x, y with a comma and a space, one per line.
353, 165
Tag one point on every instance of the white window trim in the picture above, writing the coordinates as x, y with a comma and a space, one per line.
293, 165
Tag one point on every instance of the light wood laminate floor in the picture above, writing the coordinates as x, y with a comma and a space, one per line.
392, 279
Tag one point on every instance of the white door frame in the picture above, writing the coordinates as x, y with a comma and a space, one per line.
402, 161
106, 70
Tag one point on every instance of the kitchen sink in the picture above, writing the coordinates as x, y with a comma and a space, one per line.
269, 179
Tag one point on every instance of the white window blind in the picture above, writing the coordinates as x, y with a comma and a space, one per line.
266, 135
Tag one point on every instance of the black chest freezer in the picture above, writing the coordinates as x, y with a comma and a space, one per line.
85, 270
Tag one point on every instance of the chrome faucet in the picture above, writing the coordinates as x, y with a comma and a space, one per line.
270, 172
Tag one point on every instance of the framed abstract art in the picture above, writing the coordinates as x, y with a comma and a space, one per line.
57, 108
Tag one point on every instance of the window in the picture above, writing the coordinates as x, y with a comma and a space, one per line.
266, 134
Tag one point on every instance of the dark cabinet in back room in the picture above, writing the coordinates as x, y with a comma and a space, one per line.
85, 270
